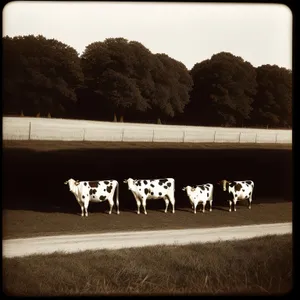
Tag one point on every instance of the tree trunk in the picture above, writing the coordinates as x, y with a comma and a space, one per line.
115, 118
121, 119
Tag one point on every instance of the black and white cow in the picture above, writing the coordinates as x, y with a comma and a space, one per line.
144, 189
200, 193
94, 191
238, 190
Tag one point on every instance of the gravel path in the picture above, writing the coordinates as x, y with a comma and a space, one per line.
117, 240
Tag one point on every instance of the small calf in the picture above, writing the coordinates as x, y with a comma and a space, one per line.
200, 193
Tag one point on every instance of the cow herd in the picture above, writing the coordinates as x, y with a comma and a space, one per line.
163, 188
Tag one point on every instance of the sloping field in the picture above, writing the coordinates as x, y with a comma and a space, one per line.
80, 130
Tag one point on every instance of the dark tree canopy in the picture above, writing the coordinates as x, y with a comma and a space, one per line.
223, 91
40, 75
272, 104
116, 78
173, 84
119, 71
135, 80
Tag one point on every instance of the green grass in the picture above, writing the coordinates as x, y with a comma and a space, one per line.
256, 266
26, 223
67, 145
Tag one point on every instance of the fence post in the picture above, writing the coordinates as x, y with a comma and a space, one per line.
240, 137
183, 137
29, 135
153, 136
215, 136
276, 138
83, 134
256, 137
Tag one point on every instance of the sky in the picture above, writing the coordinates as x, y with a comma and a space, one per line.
188, 32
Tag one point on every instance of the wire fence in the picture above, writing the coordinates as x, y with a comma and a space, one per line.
79, 130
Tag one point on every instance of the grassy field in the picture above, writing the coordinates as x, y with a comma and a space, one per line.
27, 223
67, 145
258, 266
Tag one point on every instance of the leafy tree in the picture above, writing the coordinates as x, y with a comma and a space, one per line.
224, 87
134, 80
119, 71
39, 75
272, 106
173, 84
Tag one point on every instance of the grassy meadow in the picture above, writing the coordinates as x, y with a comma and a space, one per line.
259, 266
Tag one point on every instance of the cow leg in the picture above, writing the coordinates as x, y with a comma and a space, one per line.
234, 204
230, 203
203, 206
138, 203
111, 205
86, 205
172, 200
192, 205
144, 205
195, 207
81, 206
249, 202
210, 205
167, 204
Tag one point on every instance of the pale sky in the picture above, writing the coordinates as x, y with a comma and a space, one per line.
188, 32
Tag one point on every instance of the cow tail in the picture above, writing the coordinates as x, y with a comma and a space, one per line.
117, 198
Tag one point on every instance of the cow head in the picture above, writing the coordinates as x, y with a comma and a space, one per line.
71, 182
188, 189
129, 181
223, 184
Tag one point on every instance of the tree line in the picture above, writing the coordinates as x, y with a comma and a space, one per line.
121, 80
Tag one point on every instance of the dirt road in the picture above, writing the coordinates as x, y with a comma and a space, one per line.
117, 240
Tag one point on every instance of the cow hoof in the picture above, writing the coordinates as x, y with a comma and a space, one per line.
118, 212
235, 210
173, 212
109, 213
138, 212
210, 210
194, 212
229, 210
